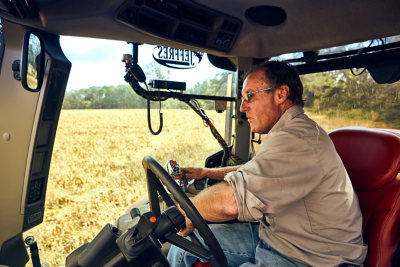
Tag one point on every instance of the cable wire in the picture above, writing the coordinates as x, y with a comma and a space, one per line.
227, 152
360, 52
148, 113
133, 82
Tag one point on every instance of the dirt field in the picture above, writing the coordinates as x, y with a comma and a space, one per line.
96, 170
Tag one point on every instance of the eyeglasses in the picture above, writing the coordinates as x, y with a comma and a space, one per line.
248, 96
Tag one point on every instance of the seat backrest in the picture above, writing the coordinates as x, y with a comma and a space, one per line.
372, 160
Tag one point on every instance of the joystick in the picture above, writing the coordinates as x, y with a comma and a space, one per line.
175, 171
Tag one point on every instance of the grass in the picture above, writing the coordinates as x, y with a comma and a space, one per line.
96, 170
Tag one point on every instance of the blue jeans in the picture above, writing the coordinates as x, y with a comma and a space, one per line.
242, 247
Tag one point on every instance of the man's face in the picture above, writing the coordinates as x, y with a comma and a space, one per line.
263, 109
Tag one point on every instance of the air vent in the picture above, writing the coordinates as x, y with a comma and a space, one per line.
224, 25
230, 26
235, 28
266, 15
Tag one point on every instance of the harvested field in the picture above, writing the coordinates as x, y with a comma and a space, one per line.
96, 170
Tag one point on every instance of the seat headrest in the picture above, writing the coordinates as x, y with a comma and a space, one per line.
370, 156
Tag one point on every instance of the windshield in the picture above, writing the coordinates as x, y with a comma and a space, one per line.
102, 137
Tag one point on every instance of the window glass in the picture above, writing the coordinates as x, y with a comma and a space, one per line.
102, 136
96, 83
338, 99
360, 45
338, 49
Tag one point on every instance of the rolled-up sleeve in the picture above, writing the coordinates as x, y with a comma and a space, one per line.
285, 170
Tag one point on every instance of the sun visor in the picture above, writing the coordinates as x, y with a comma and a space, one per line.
221, 62
385, 74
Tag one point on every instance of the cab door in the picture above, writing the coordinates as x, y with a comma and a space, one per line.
28, 124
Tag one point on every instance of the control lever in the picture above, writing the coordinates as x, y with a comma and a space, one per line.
134, 213
175, 171
30, 241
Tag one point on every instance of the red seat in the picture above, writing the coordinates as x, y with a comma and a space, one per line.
202, 264
372, 161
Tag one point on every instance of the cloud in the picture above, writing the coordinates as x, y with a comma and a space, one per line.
78, 48
85, 74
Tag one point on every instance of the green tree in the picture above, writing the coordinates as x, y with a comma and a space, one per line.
153, 71
122, 96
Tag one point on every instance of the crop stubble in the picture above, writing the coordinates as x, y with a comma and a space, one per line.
96, 170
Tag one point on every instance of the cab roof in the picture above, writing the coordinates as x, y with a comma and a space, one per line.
263, 28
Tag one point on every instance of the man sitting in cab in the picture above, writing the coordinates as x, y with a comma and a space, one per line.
294, 197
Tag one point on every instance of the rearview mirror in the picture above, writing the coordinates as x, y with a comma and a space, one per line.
32, 63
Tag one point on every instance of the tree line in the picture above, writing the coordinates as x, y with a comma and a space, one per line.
335, 94
123, 97
341, 94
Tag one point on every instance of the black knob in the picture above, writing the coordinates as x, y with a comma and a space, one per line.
176, 217
227, 43
30, 240
134, 213
15, 65
113, 229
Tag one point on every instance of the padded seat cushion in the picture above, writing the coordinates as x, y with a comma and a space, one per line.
372, 160
375, 155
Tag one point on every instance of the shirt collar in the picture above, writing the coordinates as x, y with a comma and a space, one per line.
290, 114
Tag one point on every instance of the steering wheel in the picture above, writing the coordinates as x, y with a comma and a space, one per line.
155, 172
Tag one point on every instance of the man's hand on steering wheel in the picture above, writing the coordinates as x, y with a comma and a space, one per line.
189, 225
157, 179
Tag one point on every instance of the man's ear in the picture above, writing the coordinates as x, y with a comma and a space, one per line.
283, 93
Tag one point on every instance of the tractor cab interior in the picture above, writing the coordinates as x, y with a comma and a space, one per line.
315, 36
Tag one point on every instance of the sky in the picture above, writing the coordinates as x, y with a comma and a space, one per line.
98, 62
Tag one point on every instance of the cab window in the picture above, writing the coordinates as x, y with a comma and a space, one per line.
340, 99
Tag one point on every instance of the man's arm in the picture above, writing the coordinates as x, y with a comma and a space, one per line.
215, 204
213, 173
195, 173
